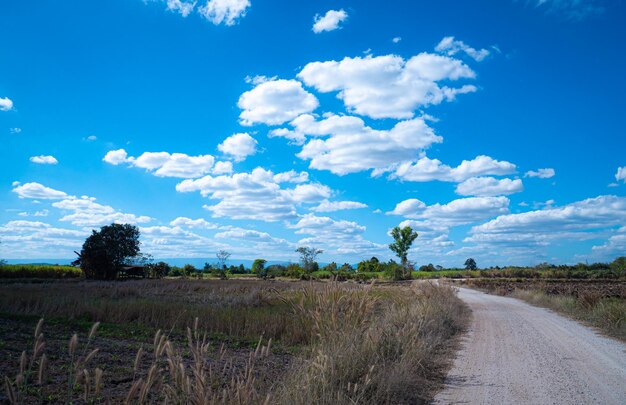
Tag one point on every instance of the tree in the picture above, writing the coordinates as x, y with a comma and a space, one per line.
222, 258
470, 264
2, 262
307, 257
106, 251
403, 239
258, 268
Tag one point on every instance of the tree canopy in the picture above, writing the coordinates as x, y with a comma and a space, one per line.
106, 251
470, 264
308, 255
403, 239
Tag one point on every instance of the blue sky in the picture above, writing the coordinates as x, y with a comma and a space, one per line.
494, 129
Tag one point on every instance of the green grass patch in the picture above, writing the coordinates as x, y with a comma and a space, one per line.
39, 271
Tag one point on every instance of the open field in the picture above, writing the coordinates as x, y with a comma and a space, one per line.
600, 303
234, 341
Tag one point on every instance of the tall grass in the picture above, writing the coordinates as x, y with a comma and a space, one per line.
607, 314
373, 350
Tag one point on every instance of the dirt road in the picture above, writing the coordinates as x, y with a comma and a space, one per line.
515, 353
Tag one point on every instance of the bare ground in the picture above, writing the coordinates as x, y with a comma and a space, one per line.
517, 353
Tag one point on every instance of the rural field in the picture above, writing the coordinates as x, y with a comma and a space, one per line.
232, 342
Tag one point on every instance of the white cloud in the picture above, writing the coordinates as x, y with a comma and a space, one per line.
44, 160
456, 212
621, 174
426, 169
395, 40
92, 138
309, 193
589, 214
86, 212
388, 86
541, 173
353, 147
6, 104
331, 206
451, 47
593, 218
183, 8
336, 237
222, 168
256, 195
225, 12
329, 21
199, 223
164, 242
274, 102
36, 190
164, 164
239, 146
489, 186
29, 239
15, 131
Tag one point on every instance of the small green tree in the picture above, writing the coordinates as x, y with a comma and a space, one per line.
308, 255
403, 239
470, 264
106, 251
258, 268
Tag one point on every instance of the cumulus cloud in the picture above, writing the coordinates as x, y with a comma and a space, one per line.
225, 12
350, 146
331, 206
456, 212
335, 237
85, 211
22, 239
489, 186
426, 169
621, 174
44, 160
541, 173
329, 21
275, 102
6, 104
164, 164
451, 47
199, 223
239, 146
256, 195
37, 191
225, 167
589, 219
15, 130
395, 40
389, 86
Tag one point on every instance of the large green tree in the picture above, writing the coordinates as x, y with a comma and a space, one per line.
106, 251
403, 239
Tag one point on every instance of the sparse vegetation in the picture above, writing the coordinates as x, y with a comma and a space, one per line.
212, 352
597, 302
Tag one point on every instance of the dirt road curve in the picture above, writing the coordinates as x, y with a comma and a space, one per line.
515, 353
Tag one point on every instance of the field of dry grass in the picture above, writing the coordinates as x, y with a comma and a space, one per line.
233, 342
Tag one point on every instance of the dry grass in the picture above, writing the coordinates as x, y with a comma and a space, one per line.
370, 350
364, 344
607, 314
